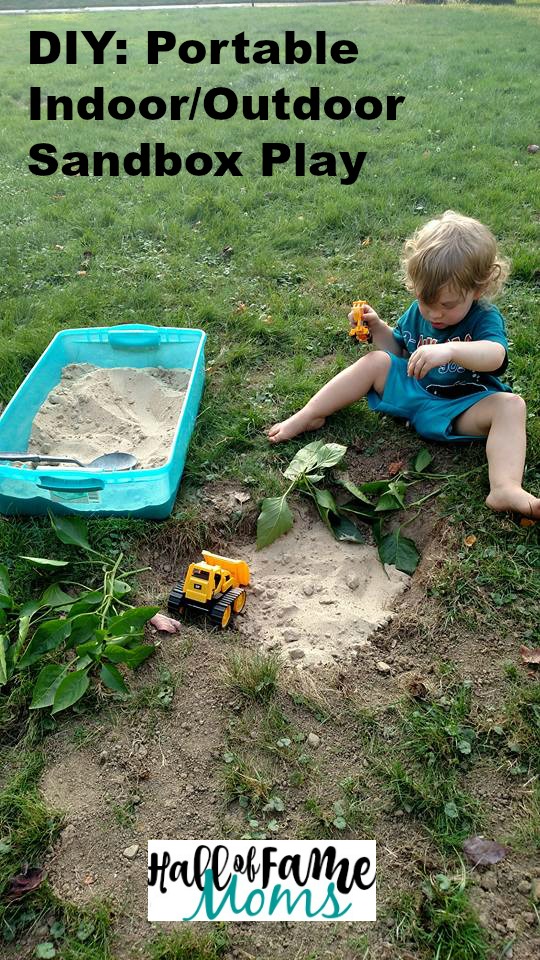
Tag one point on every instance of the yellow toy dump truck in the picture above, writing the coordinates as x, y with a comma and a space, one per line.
213, 586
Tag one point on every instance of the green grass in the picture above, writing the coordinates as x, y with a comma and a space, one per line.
253, 674
186, 945
440, 924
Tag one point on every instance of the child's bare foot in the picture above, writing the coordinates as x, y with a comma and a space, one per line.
296, 424
516, 499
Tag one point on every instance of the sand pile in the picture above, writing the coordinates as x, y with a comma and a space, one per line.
94, 410
315, 599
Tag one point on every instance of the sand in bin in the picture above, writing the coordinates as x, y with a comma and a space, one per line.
95, 410
315, 599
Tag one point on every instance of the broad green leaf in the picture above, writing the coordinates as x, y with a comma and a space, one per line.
329, 455
422, 460
374, 487
83, 627
29, 608
359, 508
44, 562
354, 489
314, 477
451, 810
394, 498
388, 502
46, 685
112, 678
71, 530
398, 550
326, 505
71, 689
6, 602
274, 520
54, 596
131, 619
86, 602
132, 658
47, 637
3, 665
4, 580
345, 529
91, 649
120, 588
304, 460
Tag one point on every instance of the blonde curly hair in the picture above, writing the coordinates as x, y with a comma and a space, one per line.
455, 250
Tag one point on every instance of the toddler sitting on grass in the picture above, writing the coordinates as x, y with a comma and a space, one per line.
439, 366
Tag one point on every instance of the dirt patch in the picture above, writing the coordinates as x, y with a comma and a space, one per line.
316, 599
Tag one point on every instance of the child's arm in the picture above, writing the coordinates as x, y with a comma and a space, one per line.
381, 334
482, 356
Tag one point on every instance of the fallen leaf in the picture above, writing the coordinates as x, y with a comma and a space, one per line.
89, 879
24, 883
530, 656
483, 853
366, 242
167, 624
242, 497
227, 251
533, 148
58, 246
526, 522
395, 467
81, 273
267, 319
240, 307
470, 540
331, 279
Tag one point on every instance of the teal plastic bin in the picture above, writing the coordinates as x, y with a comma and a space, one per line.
135, 493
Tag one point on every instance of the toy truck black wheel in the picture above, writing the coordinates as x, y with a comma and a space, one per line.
221, 611
176, 601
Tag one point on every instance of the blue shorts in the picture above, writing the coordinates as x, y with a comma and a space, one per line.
431, 416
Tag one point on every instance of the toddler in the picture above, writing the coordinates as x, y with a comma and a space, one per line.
439, 367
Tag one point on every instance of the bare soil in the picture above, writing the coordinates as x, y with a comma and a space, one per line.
123, 776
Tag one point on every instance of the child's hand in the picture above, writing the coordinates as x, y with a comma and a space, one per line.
427, 357
369, 317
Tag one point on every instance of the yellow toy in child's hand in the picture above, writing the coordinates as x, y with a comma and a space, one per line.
360, 330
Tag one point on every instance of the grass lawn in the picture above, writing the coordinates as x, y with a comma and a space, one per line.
268, 268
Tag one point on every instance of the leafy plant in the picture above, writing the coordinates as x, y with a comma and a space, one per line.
371, 503
89, 630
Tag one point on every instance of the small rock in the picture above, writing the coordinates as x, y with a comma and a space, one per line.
171, 804
535, 890
383, 667
142, 751
103, 757
511, 925
353, 581
533, 148
296, 654
326, 601
307, 589
136, 799
529, 918
524, 886
131, 852
290, 636
313, 740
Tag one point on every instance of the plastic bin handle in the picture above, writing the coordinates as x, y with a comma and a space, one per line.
136, 336
61, 485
